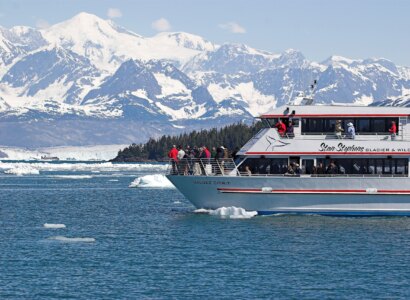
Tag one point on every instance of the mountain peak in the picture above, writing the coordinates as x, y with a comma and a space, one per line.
186, 40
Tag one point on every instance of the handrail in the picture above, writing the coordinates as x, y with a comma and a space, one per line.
203, 167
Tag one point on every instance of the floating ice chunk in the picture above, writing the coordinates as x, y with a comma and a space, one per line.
152, 181
54, 226
72, 240
231, 212
73, 176
102, 167
22, 170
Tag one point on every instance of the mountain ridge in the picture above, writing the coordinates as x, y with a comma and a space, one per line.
87, 68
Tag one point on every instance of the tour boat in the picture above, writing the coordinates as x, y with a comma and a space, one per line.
333, 174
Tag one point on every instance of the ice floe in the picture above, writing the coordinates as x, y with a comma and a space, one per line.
54, 226
91, 167
21, 170
73, 176
152, 181
231, 212
72, 239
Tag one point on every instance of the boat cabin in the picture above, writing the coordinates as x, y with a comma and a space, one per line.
320, 144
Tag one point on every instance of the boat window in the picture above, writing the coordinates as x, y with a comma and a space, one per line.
265, 165
397, 166
362, 125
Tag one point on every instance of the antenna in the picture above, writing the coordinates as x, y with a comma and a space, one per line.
309, 100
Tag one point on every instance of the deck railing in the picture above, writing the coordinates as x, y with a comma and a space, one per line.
203, 167
227, 167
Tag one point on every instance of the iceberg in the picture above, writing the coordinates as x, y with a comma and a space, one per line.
152, 181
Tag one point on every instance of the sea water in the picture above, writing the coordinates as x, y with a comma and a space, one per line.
83, 233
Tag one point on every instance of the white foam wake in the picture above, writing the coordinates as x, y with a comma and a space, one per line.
22, 170
72, 240
54, 226
231, 212
152, 181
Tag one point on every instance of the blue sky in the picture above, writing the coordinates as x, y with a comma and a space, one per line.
351, 28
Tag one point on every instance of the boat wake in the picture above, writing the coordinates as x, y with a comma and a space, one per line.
231, 212
152, 181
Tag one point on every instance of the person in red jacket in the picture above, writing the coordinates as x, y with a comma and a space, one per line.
281, 127
393, 129
173, 155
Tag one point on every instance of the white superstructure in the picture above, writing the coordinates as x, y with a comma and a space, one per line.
314, 169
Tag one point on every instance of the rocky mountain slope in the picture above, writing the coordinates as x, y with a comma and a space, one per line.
89, 81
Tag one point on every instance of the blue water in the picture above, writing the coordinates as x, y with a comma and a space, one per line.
149, 244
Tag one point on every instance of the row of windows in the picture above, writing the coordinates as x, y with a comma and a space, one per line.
379, 166
327, 125
362, 125
366, 165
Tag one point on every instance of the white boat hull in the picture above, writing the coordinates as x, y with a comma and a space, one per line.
302, 195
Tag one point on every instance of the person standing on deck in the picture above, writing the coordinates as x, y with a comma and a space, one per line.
281, 127
173, 155
393, 130
351, 132
339, 129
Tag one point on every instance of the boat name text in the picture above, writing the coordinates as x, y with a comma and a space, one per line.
211, 182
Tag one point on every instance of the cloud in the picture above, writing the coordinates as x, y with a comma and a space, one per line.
161, 25
233, 27
114, 13
42, 24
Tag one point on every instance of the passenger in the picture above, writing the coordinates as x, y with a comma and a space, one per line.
281, 127
332, 168
339, 129
291, 169
201, 153
173, 155
181, 153
195, 152
234, 153
320, 169
351, 132
213, 152
297, 169
220, 152
182, 164
248, 171
226, 153
207, 153
289, 130
188, 152
393, 130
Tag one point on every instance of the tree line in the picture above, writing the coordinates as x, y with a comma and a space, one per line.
232, 137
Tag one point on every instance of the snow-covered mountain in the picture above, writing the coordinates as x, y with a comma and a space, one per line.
87, 80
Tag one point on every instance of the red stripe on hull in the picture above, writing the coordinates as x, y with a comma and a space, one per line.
329, 153
313, 191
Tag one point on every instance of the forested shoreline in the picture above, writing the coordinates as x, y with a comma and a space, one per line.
232, 137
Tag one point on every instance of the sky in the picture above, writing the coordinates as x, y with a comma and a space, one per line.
318, 28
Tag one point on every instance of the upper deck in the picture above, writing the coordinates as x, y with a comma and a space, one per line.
318, 122
336, 111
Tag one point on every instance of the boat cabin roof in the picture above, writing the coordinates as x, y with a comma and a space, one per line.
339, 111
